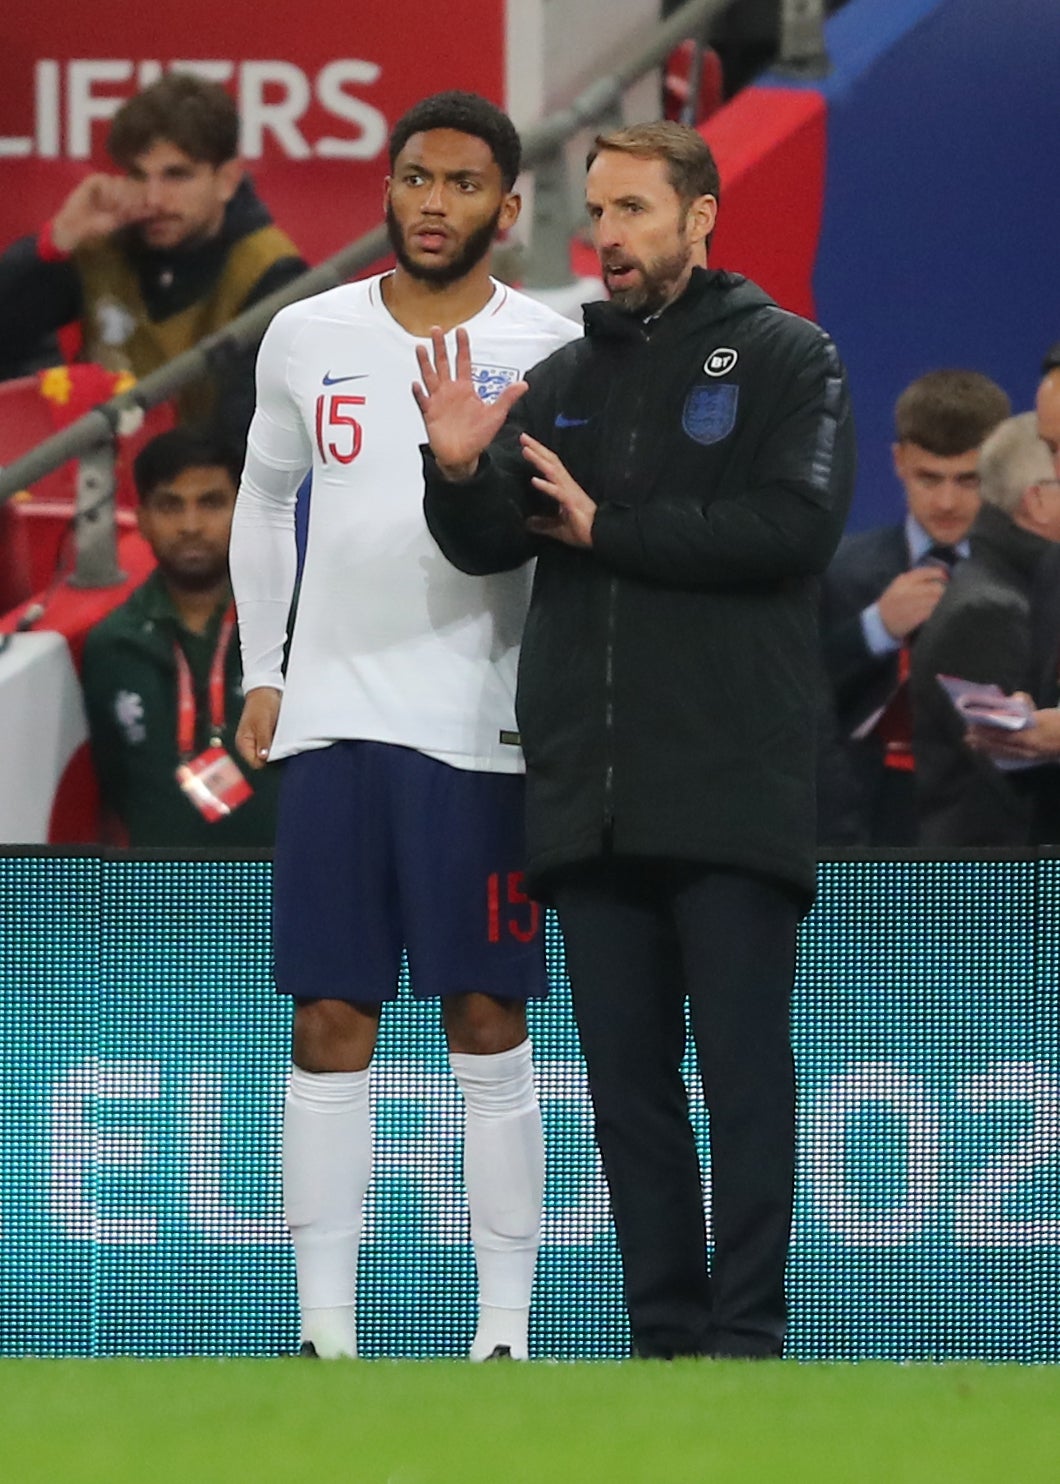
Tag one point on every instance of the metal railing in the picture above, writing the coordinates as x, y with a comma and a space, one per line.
802, 52
92, 436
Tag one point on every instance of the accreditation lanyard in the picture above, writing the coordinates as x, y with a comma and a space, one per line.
215, 691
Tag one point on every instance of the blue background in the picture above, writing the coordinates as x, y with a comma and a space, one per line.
939, 241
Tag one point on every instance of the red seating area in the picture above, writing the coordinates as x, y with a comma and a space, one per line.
686, 99
36, 525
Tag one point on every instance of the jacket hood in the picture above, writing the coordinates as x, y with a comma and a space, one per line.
713, 295
245, 213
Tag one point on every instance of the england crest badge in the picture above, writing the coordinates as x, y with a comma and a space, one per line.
710, 412
490, 381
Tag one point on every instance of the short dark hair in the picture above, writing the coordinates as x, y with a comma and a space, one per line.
950, 412
690, 164
467, 113
1052, 359
197, 116
168, 455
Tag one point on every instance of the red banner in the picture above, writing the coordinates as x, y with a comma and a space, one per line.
318, 88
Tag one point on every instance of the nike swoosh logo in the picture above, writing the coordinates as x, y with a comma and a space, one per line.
570, 422
330, 380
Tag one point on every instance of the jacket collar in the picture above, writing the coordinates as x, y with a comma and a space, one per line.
157, 607
996, 535
712, 291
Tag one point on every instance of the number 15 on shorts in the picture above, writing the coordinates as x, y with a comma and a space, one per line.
516, 916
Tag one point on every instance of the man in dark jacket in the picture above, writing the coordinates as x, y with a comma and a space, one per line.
981, 631
682, 475
881, 587
1040, 743
162, 677
152, 261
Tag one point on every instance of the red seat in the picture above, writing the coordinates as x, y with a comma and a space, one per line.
32, 408
26, 421
677, 103
16, 567
34, 523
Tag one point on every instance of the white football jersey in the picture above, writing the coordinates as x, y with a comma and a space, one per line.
391, 643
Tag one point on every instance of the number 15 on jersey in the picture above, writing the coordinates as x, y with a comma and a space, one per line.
338, 433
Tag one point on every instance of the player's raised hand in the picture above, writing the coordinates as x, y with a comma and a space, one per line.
459, 424
257, 725
94, 209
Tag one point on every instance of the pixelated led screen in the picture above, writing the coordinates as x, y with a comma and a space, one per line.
144, 1056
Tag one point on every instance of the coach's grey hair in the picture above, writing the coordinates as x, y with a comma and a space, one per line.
1012, 458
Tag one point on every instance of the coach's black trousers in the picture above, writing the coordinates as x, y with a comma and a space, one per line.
641, 937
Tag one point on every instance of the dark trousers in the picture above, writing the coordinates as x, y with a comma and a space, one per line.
641, 938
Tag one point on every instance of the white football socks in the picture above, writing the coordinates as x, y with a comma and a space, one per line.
504, 1171
327, 1162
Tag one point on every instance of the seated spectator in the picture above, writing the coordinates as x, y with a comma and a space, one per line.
981, 631
881, 586
162, 674
151, 261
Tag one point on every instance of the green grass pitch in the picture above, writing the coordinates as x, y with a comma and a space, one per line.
407, 1422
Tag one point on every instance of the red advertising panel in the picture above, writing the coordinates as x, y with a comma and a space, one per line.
318, 87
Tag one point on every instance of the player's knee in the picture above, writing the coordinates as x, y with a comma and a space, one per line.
333, 1035
479, 1025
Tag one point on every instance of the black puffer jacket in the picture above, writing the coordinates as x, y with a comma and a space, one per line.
669, 676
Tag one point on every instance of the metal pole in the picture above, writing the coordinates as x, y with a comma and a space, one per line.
95, 530
547, 264
802, 50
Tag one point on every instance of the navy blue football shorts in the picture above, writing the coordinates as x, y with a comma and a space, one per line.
380, 848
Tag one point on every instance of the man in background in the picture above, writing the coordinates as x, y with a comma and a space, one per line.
161, 673
881, 587
981, 631
150, 261
1040, 742
401, 810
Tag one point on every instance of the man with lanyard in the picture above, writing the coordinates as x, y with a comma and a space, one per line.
401, 811
161, 675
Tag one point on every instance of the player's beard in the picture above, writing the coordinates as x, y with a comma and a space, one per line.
440, 275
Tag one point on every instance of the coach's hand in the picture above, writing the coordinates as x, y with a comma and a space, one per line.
257, 725
575, 512
459, 424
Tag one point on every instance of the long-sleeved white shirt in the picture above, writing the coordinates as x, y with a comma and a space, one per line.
391, 643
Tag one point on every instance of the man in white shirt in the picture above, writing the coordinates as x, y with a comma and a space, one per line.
400, 819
